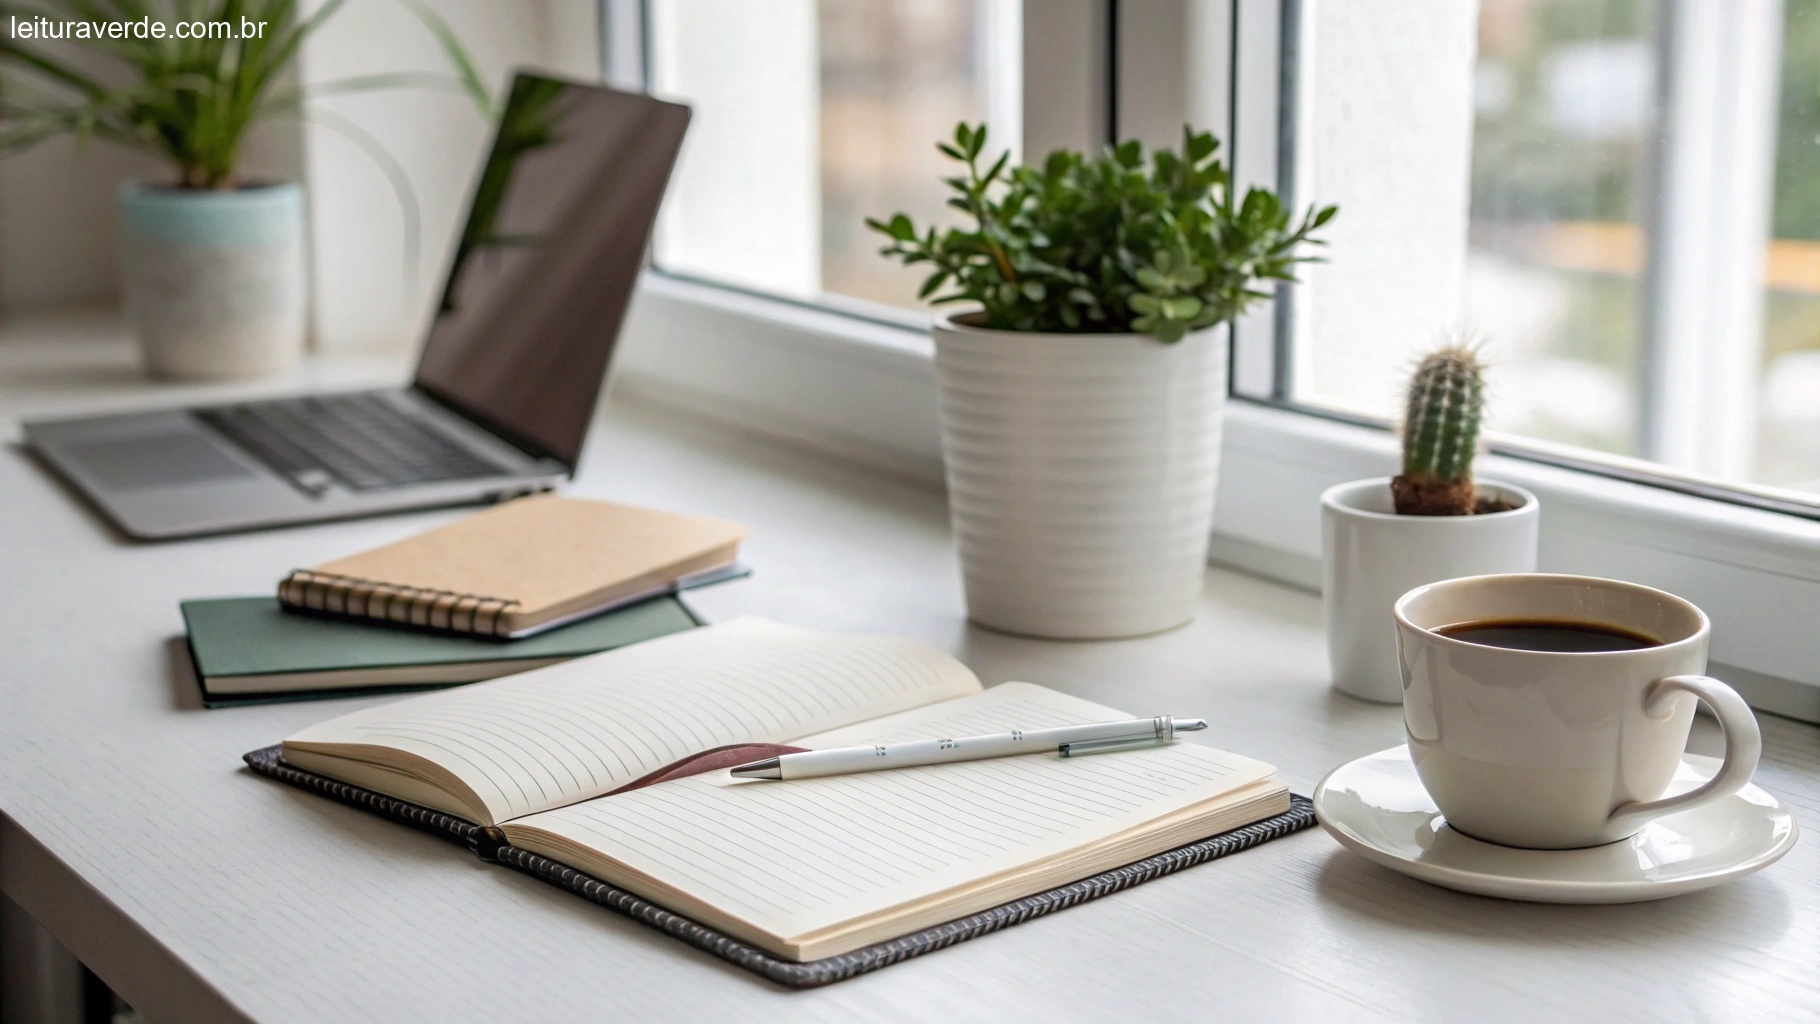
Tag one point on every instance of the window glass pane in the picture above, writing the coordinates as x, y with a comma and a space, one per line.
1563, 119
811, 115
1620, 198
1788, 440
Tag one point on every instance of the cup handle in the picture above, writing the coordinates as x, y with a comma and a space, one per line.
1743, 746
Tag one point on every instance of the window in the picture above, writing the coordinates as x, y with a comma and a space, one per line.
811, 115
1621, 198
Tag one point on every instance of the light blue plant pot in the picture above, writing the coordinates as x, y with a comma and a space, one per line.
214, 281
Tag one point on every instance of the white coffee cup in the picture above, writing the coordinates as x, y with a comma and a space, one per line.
1552, 750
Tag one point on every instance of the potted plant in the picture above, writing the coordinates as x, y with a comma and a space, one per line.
1386, 536
1081, 394
213, 263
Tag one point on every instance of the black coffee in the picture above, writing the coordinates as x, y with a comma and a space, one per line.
1547, 635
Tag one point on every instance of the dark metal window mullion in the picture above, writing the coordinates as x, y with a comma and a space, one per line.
1282, 382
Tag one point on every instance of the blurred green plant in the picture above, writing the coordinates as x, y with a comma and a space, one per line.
191, 101
1109, 244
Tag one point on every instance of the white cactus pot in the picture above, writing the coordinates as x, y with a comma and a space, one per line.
1081, 472
214, 280
1370, 556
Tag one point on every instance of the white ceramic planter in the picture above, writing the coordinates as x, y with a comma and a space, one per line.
214, 280
1370, 556
1081, 471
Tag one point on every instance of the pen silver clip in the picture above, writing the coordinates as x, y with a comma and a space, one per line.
1106, 746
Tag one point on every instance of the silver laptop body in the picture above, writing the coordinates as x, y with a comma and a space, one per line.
514, 364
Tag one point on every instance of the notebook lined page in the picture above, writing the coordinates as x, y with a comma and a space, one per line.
789, 858
549, 737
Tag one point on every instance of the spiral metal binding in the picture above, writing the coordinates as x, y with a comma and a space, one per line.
428, 608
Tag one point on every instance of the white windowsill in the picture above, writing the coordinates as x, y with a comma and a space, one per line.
836, 384
865, 392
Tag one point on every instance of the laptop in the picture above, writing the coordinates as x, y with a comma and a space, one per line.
515, 360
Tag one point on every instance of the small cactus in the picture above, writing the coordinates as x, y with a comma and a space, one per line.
1441, 435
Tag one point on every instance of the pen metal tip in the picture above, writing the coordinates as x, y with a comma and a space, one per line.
1190, 724
769, 768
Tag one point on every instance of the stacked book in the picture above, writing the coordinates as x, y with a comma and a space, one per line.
522, 586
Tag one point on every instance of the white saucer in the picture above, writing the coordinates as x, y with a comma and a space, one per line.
1376, 807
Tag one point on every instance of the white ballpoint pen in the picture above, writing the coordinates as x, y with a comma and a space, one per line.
1067, 740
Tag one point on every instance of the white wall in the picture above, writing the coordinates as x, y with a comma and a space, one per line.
57, 234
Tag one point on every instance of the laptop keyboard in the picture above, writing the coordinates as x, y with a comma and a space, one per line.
361, 440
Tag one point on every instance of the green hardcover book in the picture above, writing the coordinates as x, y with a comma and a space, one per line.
247, 649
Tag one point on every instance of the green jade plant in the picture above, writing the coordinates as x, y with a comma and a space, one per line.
1446, 405
1109, 244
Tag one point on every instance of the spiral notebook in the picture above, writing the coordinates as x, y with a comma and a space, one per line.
521, 568
589, 775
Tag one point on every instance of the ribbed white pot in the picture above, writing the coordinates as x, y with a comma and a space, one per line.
1081, 472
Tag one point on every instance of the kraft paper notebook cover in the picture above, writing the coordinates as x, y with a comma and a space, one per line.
249, 650
552, 772
523, 567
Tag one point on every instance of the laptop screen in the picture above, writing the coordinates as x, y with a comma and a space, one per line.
545, 266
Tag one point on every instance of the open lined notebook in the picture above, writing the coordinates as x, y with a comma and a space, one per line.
807, 869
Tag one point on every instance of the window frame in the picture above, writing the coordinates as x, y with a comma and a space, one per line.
861, 388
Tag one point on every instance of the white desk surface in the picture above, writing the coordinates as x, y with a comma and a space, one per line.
201, 892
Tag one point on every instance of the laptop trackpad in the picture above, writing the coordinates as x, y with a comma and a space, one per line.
160, 460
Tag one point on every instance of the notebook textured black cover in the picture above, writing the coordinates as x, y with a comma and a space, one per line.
489, 845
